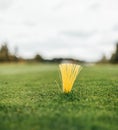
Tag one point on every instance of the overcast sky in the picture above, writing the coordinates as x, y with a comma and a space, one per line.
83, 29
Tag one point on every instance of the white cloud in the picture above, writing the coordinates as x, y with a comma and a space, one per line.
5, 4
83, 29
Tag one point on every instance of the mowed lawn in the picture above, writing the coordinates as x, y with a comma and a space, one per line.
30, 98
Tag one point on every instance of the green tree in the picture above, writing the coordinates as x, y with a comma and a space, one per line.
4, 53
114, 57
103, 59
38, 58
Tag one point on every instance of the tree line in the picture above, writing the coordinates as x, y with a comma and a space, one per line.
7, 56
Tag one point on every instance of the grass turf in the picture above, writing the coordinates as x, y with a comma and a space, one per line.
31, 100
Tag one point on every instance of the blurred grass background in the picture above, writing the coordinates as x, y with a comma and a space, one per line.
31, 100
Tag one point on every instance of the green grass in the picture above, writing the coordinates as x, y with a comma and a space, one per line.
31, 100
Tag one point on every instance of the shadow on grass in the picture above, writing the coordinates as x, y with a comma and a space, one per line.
70, 97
